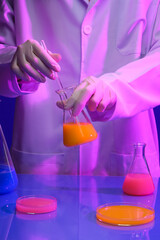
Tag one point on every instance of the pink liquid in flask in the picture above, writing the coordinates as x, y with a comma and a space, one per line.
138, 184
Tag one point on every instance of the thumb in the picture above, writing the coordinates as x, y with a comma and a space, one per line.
61, 104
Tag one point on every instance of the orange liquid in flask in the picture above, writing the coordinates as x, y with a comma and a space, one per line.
78, 133
125, 215
138, 184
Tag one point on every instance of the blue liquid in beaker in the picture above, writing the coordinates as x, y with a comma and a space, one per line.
8, 179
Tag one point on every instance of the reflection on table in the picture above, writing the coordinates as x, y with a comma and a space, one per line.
75, 218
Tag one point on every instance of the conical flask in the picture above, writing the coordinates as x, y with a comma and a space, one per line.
8, 176
138, 180
76, 130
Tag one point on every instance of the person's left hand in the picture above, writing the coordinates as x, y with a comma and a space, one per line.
93, 92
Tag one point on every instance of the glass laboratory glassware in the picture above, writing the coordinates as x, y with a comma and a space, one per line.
138, 180
36, 204
8, 176
124, 214
76, 130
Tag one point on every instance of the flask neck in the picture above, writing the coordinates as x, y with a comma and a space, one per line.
139, 149
139, 163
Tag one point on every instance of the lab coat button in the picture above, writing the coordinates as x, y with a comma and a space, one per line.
87, 29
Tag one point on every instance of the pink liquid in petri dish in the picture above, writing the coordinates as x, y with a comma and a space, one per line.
138, 184
34, 205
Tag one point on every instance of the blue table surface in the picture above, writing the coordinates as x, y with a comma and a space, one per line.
75, 217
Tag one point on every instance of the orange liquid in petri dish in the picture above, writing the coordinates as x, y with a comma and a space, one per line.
125, 215
138, 184
78, 133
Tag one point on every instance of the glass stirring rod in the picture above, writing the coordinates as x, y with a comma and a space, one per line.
58, 79
42, 42
55, 73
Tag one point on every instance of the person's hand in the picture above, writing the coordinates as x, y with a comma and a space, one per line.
32, 61
93, 92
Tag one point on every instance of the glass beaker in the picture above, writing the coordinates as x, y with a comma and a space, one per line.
76, 130
8, 176
138, 180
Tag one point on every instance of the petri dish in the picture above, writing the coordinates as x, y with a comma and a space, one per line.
36, 204
125, 214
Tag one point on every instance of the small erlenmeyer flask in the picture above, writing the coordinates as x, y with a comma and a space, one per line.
138, 180
76, 130
8, 176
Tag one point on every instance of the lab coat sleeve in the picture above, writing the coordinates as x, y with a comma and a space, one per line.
137, 84
9, 86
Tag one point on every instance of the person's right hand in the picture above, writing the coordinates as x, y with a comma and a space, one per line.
32, 61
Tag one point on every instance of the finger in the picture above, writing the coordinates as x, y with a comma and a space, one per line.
113, 101
45, 56
77, 108
39, 65
18, 72
25, 66
71, 100
79, 99
104, 101
95, 100
28, 68
107, 102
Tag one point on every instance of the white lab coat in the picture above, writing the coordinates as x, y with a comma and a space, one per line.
117, 40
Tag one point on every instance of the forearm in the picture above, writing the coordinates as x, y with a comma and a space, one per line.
137, 87
137, 84
9, 86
